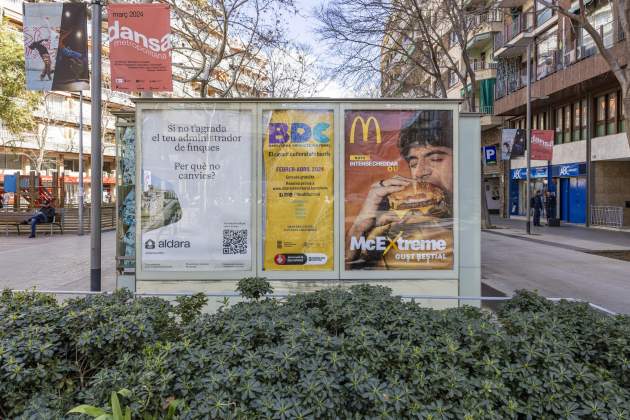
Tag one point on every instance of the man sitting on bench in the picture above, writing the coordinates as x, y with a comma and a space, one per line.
46, 214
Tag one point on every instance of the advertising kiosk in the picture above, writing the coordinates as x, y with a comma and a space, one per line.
308, 193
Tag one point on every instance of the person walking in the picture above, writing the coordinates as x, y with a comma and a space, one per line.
537, 205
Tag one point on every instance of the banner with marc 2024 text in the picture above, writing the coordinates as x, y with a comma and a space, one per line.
140, 47
298, 201
196, 200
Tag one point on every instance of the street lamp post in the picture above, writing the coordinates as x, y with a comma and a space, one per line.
96, 165
528, 135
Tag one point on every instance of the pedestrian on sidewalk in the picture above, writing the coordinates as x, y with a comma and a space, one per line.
550, 206
537, 204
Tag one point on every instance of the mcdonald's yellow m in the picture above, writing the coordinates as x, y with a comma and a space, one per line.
365, 127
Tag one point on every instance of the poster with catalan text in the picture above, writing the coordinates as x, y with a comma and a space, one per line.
298, 180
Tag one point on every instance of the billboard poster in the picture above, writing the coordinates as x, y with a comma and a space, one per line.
513, 143
140, 47
398, 190
542, 144
55, 46
298, 179
196, 198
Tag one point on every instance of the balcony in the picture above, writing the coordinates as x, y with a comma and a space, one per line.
508, 4
484, 69
485, 25
515, 37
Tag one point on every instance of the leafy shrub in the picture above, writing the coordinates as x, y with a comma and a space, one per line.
329, 354
254, 287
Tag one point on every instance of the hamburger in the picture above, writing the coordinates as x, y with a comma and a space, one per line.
419, 200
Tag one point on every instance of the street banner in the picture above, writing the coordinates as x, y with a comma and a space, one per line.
196, 200
513, 143
298, 181
542, 144
490, 155
55, 46
398, 190
140, 47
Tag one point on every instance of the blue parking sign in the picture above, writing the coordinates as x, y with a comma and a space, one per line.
490, 155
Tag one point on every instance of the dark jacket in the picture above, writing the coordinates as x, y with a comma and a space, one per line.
49, 213
536, 202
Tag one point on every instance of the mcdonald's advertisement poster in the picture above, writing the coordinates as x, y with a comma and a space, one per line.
399, 190
140, 47
298, 201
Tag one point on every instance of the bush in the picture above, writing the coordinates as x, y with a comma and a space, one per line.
329, 354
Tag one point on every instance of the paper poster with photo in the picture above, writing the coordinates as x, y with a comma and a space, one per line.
399, 190
196, 200
140, 47
55, 46
513, 143
298, 201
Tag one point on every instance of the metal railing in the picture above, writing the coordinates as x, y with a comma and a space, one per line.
487, 110
524, 22
479, 65
611, 216
285, 295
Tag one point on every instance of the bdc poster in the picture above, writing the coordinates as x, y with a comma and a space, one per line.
196, 199
298, 192
398, 190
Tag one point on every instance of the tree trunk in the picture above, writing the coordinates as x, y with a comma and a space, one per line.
626, 110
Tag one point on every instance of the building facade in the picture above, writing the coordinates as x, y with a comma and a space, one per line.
573, 93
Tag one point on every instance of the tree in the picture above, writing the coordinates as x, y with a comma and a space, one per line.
405, 43
290, 71
16, 103
622, 72
217, 43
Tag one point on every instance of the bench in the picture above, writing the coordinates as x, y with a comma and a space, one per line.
16, 219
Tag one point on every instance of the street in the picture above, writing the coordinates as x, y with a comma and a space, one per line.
553, 261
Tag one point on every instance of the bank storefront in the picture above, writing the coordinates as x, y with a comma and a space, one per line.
567, 181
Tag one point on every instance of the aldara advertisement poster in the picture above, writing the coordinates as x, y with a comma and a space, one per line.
140, 47
398, 190
196, 190
55, 46
299, 187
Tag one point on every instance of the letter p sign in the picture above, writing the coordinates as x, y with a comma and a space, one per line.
490, 153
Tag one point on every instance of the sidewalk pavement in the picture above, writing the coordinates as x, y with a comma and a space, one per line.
58, 262
575, 237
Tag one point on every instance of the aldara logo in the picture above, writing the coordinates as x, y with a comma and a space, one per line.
166, 243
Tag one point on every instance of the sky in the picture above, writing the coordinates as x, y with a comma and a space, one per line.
302, 29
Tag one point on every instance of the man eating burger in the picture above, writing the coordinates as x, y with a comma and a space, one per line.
412, 214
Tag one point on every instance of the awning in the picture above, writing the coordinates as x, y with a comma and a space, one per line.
486, 95
575, 6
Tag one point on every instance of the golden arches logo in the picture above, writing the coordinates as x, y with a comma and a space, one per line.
365, 128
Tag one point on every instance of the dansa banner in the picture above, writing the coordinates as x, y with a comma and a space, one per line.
399, 190
542, 144
140, 47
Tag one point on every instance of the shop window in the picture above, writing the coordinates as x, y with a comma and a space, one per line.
611, 114
600, 117
584, 118
559, 136
10, 161
567, 124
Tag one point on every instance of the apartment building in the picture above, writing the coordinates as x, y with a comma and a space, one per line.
573, 93
402, 78
54, 147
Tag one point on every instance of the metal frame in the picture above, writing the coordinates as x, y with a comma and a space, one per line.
338, 106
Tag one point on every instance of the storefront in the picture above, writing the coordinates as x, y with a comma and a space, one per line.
567, 181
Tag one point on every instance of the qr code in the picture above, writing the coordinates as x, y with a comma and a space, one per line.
234, 241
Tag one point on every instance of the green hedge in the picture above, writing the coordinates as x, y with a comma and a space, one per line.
329, 354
